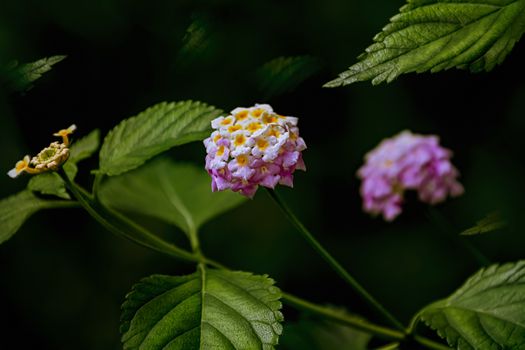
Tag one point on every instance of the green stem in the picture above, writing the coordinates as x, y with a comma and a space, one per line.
96, 184
391, 346
343, 318
63, 204
443, 225
123, 227
345, 275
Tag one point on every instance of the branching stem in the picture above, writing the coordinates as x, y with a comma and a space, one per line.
334, 264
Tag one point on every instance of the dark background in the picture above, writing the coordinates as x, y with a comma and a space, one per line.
64, 276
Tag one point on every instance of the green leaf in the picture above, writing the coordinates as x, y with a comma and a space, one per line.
209, 309
179, 194
15, 210
487, 312
310, 333
48, 183
23, 75
153, 131
84, 147
433, 35
283, 74
491, 222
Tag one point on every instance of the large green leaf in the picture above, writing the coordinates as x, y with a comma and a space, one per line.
179, 194
153, 131
487, 312
283, 74
491, 222
15, 210
209, 309
23, 75
315, 334
440, 34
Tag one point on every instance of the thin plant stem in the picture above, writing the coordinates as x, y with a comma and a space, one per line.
343, 318
121, 226
340, 270
436, 218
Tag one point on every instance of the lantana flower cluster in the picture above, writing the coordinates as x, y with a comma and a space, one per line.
251, 147
50, 158
407, 161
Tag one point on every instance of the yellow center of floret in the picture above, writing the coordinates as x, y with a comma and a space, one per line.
239, 140
217, 138
257, 112
234, 128
262, 144
220, 151
226, 121
274, 132
242, 115
252, 127
264, 169
269, 118
242, 160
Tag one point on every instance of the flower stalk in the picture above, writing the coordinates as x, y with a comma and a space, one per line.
334, 264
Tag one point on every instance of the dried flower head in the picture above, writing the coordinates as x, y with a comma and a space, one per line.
251, 147
50, 158
407, 162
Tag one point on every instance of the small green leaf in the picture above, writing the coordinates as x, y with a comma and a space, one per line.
207, 310
153, 131
15, 210
283, 74
179, 194
48, 183
84, 147
434, 35
310, 333
23, 75
491, 222
487, 312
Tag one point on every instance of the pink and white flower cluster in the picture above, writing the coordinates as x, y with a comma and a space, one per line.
251, 147
407, 162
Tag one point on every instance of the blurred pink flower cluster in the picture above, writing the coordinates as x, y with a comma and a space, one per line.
251, 147
407, 162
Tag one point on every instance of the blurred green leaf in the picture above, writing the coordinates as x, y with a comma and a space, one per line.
153, 131
179, 194
491, 222
84, 147
314, 334
283, 74
48, 183
487, 312
198, 44
436, 35
16, 209
24, 74
209, 309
